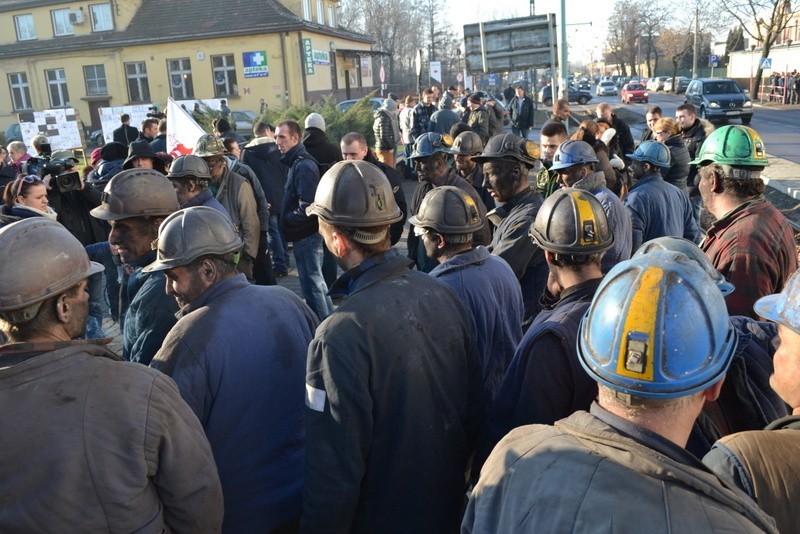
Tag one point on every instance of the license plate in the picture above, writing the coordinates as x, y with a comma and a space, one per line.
731, 113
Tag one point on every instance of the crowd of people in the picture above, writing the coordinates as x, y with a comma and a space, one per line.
565, 347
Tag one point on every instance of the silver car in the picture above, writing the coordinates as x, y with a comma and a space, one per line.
606, 88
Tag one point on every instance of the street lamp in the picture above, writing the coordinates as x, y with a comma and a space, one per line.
752, 53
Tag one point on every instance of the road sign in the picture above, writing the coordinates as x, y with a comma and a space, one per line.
713, 61
765, 63
460, 77
509, 45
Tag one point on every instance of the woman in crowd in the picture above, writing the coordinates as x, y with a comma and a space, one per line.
26, 197
667, 130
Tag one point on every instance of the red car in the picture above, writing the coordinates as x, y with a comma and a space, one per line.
634, 92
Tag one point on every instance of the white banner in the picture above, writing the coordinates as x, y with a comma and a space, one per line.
182, 130
59, 125
109, 118
436, 70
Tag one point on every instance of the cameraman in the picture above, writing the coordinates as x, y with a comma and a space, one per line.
72, 198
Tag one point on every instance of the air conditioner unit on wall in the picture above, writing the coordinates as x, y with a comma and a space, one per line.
76, 17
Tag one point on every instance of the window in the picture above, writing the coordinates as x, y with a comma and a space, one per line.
61, 23
20, 91
25, 29
307, 9
320, 12
224, 71
180, 78
57, 88
95, 76
331, 15
138, 88
101, 17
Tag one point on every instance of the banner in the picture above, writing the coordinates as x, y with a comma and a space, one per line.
255, 64
436, 70
182, 130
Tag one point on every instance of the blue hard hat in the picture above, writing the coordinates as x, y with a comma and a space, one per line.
657, 328
571, 153
783, 307
430, 143
684, 246
652, 152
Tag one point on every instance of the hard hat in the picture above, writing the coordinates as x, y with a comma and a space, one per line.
208, 145
467, 144
571, 153
42, 259
191, 233
509, 147
189, 166
430, 143
733, 145
657, 328
137, 193
449, 211
652, 152
355, 194
783, 307
572, 221
684, 246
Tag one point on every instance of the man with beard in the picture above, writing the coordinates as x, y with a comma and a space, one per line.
506, 161
237, 354
553, 133
465, 147
430, 162
90, 443
135, 202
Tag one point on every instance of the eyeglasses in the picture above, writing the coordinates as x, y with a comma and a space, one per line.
30, 179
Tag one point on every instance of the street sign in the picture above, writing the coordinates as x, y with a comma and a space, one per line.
436, 70
509, 45
765, 63
713, 61
459, 77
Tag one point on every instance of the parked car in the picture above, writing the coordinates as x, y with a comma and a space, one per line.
584, 85
573, 95
679, 86
634, 92
719, 99
606, 88
244, 121
657, 83
345, 105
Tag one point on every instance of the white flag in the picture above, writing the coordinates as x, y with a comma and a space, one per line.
182, 130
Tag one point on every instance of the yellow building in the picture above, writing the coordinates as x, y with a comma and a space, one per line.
100, 53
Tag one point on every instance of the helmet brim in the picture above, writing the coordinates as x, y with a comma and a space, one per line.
767, 307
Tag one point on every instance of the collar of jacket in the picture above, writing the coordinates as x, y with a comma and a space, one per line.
204, 196
293, 153
15, 353
585, 289
147, 259
646, 437
742, 210
369, 272
647, 178
502, 211
260, 141
475, 256
790, 421
216, 289
592, 182
314, 136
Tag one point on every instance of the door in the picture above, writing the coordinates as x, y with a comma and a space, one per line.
94, 112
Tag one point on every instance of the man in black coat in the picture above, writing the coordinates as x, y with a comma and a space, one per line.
262, 155
125, 134
520, 110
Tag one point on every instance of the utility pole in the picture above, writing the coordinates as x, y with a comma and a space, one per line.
696, 41
564, 57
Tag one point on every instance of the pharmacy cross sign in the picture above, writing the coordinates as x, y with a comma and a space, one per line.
255, 64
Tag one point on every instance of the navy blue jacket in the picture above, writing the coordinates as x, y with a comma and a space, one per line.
262, 155
490, 291
298, 194
238, 355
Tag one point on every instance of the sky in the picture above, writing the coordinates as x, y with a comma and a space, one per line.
586, 42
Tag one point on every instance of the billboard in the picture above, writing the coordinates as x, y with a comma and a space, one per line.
510, 44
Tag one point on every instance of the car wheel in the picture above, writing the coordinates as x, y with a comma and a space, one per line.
746, 120
583, 100
548, 102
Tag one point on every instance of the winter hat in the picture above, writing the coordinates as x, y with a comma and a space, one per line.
139, 149
475, 98
96, 156
223, 126
388, 105
113, 151
315, 120
64, 154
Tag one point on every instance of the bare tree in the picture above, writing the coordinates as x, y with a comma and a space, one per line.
763, 21
675, 44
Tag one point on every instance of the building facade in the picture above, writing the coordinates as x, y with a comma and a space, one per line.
100, 53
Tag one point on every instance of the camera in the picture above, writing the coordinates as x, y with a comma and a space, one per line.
61, 177
153, 113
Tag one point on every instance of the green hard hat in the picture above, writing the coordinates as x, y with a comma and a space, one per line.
733, 145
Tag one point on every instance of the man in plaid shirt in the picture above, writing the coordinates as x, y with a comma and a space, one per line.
421, 116
751, 242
